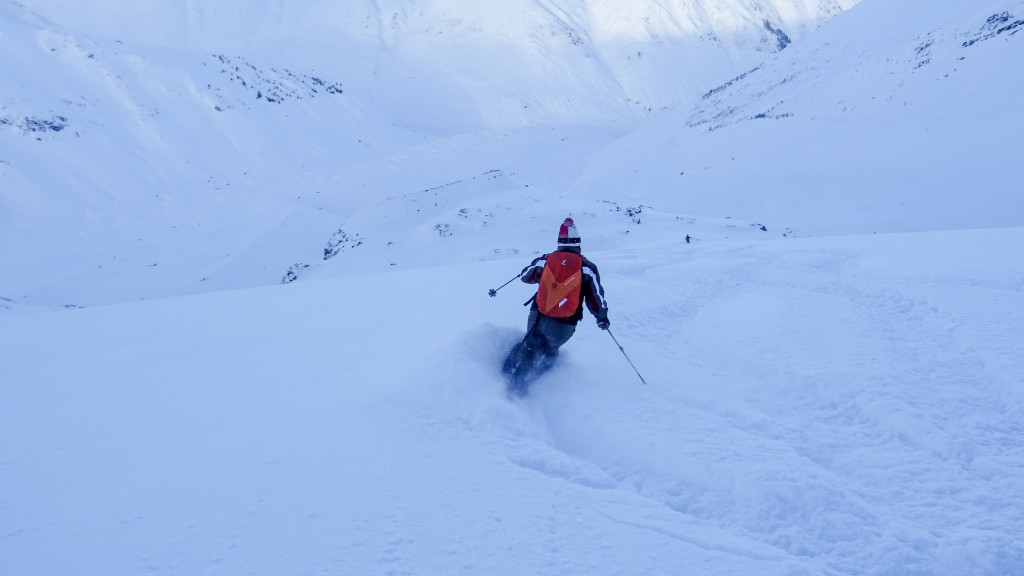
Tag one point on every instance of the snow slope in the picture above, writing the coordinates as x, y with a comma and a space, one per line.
848, 405
833, 362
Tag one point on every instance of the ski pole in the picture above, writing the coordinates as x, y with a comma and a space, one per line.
621, 349
494, 291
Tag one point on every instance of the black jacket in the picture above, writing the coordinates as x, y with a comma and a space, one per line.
591, 294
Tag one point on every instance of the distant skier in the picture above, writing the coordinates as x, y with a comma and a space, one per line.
687, 238
566, 281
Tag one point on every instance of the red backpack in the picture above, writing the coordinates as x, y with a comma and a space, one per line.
558, 295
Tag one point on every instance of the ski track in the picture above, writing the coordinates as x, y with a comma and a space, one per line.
749, 437
545, 434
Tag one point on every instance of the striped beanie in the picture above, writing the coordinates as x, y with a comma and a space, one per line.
567, 234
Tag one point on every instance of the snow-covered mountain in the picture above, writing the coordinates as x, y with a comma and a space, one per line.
501, 65
607, 58
245, 249
276, 134
898, 117
188, 120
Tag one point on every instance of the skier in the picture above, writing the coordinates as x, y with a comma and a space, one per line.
566, 281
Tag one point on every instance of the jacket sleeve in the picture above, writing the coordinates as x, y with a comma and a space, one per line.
531, 274
593, 292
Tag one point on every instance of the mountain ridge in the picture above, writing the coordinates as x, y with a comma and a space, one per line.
116, 154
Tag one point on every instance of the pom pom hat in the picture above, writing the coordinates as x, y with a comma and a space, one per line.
567, 234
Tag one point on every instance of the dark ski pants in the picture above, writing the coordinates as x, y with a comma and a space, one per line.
537, 351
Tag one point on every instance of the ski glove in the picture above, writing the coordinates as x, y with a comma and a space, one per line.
603, 323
